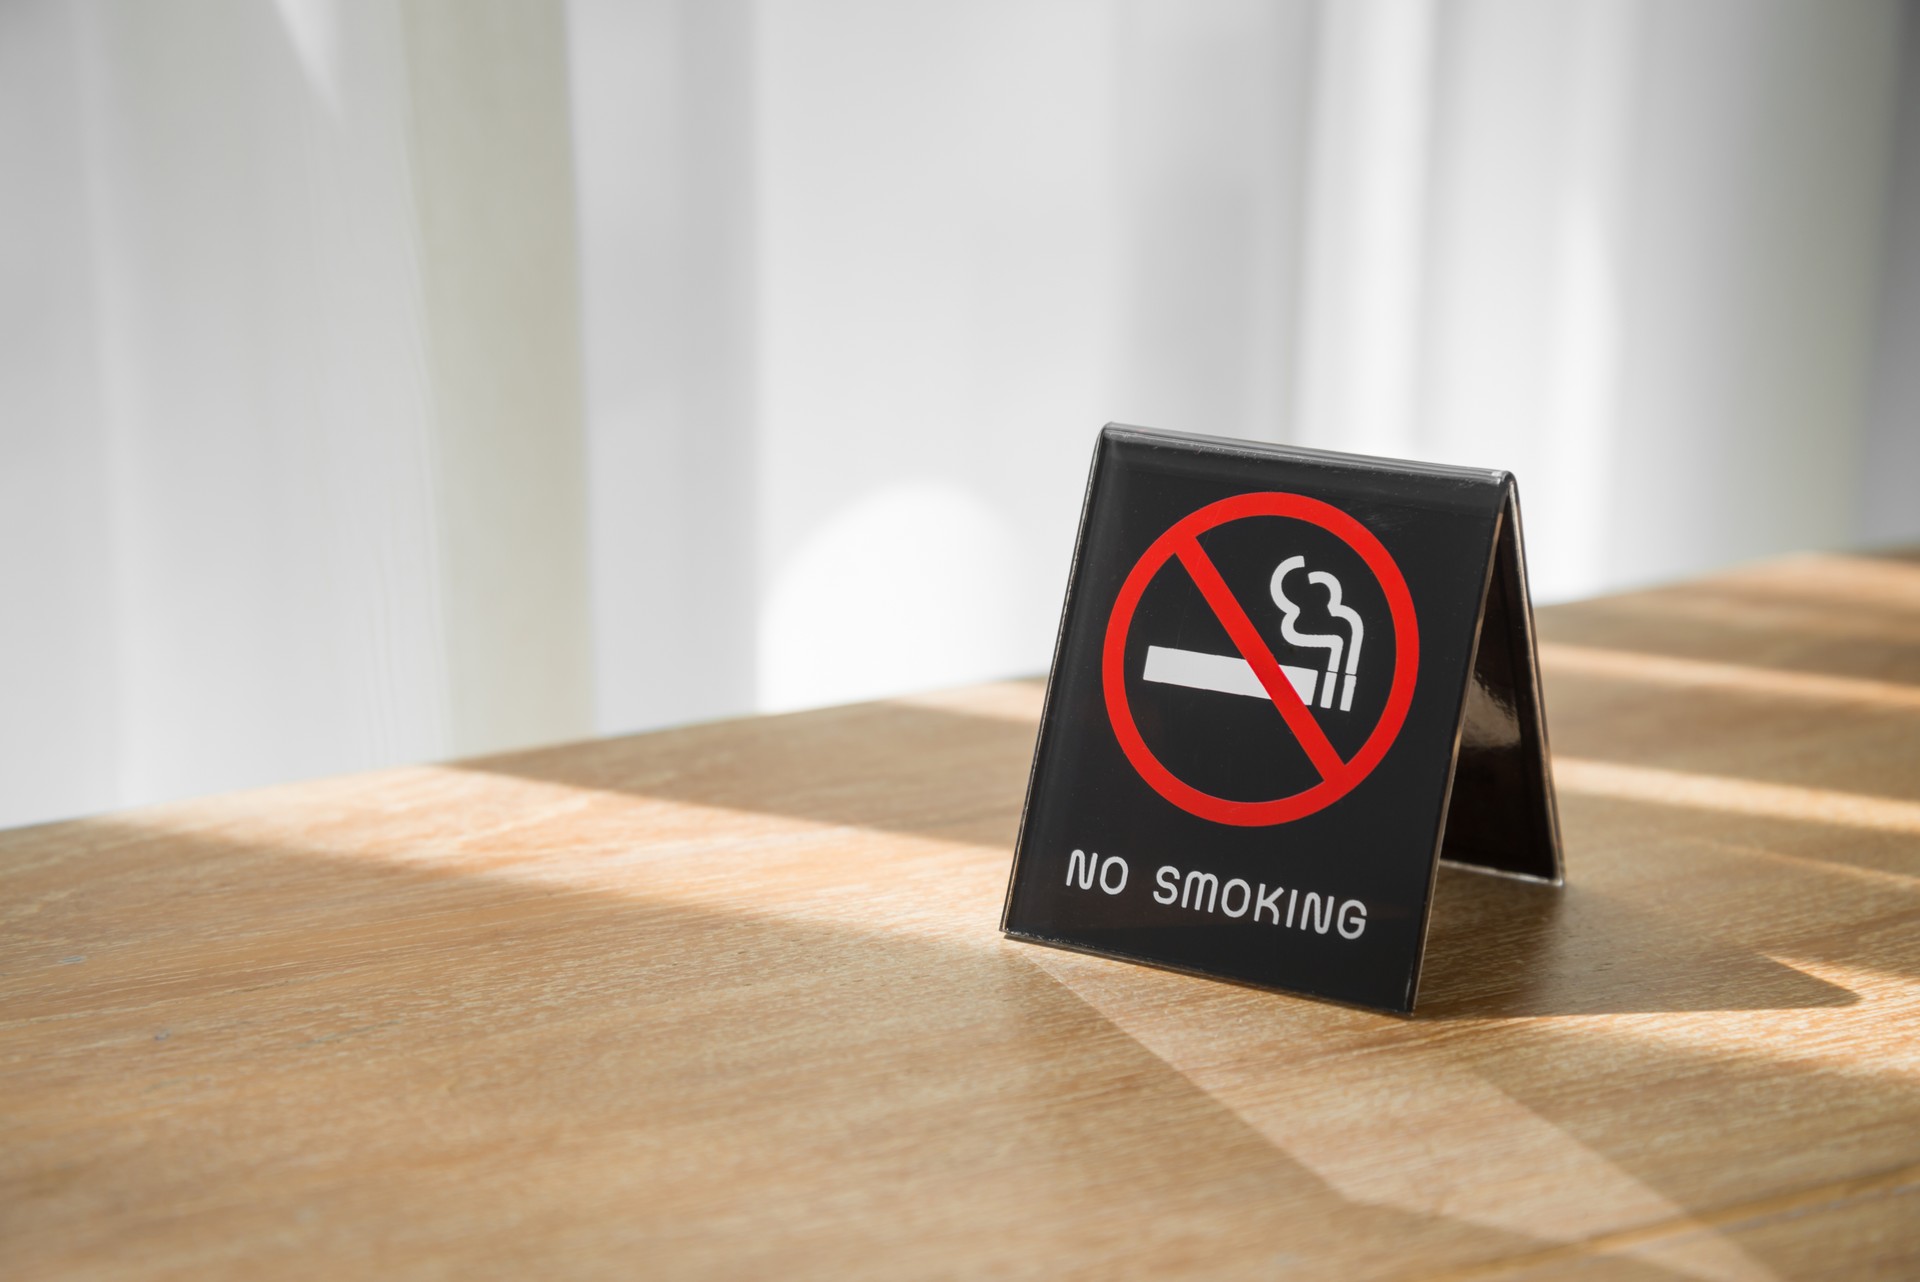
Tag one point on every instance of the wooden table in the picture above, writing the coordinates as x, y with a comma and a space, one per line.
730, 1001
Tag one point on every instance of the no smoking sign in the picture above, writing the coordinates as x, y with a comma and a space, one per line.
1254, 671
1287, 684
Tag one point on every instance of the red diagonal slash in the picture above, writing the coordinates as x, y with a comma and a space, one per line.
1253, 648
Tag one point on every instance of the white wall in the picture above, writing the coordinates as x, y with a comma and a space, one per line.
292, 475
1656, 243
394, 379
1889, 503
663, 104
59, 748
1634, 252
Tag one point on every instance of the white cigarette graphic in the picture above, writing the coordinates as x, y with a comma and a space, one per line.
1230, 674
1227, 674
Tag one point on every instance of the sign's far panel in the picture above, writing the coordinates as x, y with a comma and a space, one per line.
1251, 726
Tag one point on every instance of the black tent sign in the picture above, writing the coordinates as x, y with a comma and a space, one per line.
1288, 683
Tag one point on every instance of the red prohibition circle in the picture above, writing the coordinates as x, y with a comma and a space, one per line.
1338, 778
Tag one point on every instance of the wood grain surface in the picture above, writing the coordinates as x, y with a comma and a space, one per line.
729, 1001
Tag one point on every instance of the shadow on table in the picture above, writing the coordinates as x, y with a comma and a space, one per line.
231, 1058
1499, 948
914, 770
249, 1058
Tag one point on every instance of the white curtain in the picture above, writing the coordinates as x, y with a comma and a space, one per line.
861, 278
384, 379
291, 478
